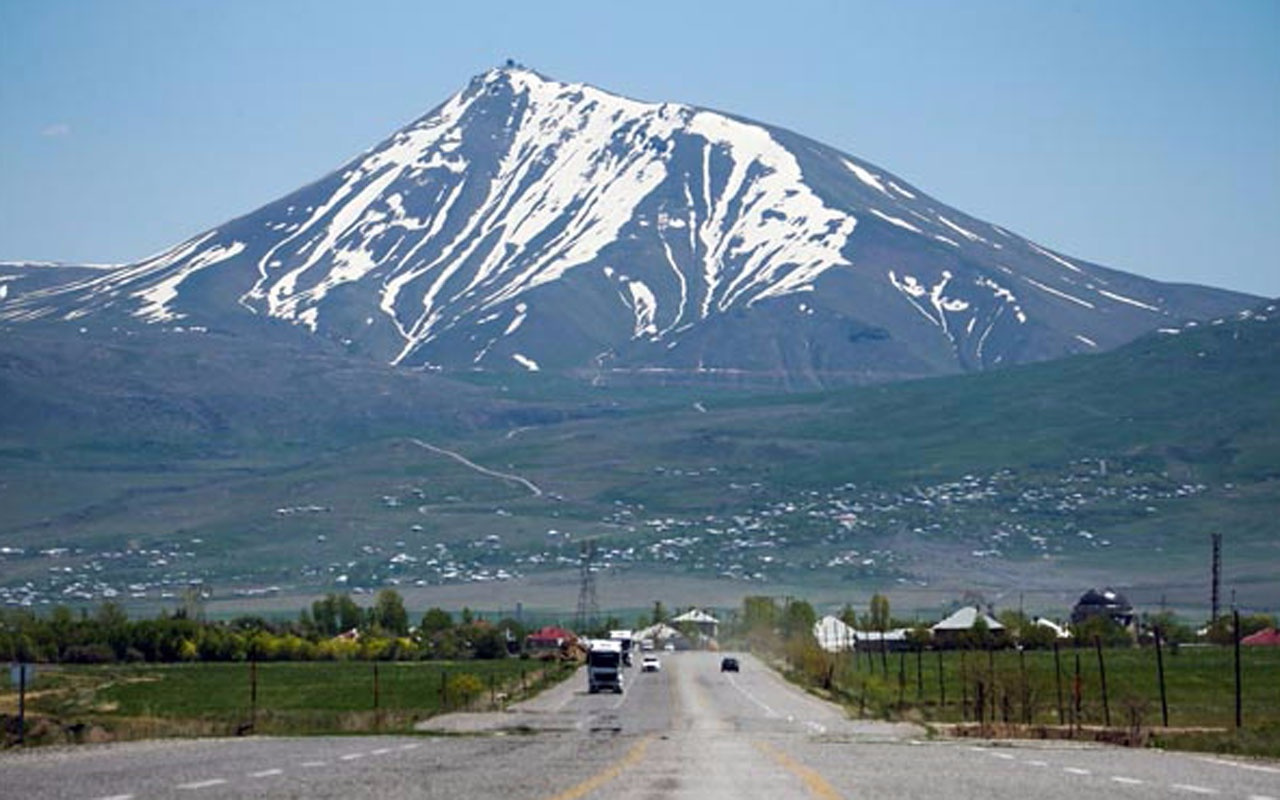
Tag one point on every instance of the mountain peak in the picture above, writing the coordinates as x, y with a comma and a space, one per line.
527, 223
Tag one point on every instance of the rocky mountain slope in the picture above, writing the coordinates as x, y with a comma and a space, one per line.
529, 224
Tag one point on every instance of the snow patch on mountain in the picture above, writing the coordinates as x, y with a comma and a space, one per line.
901, 223
156, 299
659, 235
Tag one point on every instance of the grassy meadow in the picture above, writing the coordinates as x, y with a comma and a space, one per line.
78, 703
1031, 693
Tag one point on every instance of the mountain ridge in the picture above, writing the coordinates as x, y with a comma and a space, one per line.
529, 224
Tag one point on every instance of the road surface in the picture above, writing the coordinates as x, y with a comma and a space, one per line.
688, 732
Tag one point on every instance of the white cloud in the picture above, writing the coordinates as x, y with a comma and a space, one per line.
56, 130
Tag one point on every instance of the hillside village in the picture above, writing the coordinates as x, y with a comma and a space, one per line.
845, 533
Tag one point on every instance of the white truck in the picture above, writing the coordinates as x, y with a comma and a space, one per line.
627, 640
604, 666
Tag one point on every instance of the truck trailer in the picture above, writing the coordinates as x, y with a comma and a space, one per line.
604, 667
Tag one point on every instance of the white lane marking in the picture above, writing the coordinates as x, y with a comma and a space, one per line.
202, 784
351, 756
1126, 781
1037, 763
734, 683
1190, 787
1239, 765
977, 749
266, 773
312, 764
381, 751
413, 746
1005, 756
817, 727
1076, 771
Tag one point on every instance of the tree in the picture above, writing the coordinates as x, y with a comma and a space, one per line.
435, 621
488, 642
389, 613
1102, 627
879, 612
759, 614
1172, 630
659, 613
336, 613
798, 620
848, 616
1221, 632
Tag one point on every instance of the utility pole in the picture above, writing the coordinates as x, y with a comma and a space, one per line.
1214, 598
588, 606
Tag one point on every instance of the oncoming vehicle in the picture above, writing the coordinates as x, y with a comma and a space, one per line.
650, 664
728, 665
604, 667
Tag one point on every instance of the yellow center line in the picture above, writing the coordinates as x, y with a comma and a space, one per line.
588, 786
815, 783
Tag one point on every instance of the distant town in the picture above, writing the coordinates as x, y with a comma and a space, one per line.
846, 533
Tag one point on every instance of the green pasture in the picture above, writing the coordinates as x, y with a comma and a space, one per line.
282, 698
1033, 688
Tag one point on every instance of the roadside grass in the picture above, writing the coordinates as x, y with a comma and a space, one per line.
1030, 694
116, 702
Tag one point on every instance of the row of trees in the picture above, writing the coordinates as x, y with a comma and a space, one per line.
334, 628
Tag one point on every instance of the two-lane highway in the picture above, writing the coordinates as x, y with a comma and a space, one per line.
688, 731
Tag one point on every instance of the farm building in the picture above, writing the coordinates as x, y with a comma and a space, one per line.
952, 630
834, 635
703, 622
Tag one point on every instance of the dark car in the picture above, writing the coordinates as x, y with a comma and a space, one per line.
728, 665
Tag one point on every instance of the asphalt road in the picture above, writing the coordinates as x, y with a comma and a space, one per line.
688, 731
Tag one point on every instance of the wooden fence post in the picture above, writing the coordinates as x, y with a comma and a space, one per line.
942, 685
1057, 671
1026, 687
902, 678
1235, 634
1077, 696
1164, 703
1102, 677
253, 693
919, 673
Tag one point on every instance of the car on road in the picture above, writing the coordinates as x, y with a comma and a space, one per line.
728, 665
650, 664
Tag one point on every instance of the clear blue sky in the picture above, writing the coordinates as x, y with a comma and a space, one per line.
1144, 135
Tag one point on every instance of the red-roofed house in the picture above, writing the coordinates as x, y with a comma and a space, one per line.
548, 638
1264, 637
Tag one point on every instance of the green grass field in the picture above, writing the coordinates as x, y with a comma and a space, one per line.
1022, 690
292, 698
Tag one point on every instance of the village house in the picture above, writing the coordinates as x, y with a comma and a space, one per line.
548, 639
1107, 603
956, 629
705, 624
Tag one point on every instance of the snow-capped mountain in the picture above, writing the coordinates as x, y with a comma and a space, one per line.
531, 224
